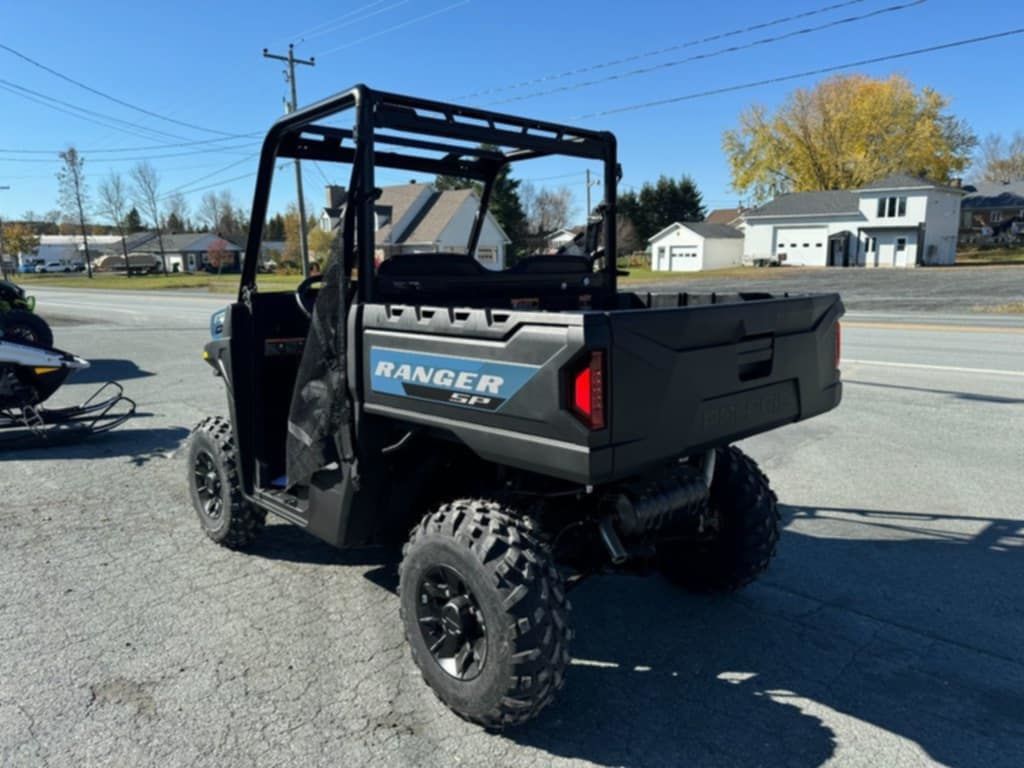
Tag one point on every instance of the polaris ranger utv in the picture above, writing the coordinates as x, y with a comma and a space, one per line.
530, 425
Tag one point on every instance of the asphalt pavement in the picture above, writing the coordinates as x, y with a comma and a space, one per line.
887, 632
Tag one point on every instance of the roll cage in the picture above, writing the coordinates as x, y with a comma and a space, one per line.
407, 133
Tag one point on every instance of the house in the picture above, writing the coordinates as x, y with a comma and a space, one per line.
696, 246
416, 218
191, 252
898, 221
991, 209
568, 240
732, 217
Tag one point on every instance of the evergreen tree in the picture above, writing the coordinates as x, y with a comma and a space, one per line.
133, 221
662, 203
505, 204
275, 228
174, 224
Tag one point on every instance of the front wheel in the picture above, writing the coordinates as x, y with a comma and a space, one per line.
746, 511
485, 612
24, 327
215, 486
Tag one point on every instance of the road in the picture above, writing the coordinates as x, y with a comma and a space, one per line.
888, 631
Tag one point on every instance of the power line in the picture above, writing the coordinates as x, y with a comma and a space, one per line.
660, 51
105, 121
129, 149
342, 25
107, 96
129, 159
719, 52
211, 174
404, 24
798, 75
298, 37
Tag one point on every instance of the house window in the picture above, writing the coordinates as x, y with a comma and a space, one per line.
807, 245
901, 243
487, 254
995, 217
891, 207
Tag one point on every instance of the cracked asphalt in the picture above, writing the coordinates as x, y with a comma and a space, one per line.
887, 633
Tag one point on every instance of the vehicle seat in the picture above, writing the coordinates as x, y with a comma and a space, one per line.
411, 265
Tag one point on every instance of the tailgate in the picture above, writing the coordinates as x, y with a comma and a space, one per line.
687, 378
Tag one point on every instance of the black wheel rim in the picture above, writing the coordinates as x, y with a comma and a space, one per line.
452, 623
22, 334
208, 486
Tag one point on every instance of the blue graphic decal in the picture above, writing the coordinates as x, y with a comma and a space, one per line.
464, 381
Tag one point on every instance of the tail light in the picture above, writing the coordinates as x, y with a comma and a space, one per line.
586, 396
839, 342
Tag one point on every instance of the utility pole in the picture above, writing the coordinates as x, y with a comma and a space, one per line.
590, 184
292, 106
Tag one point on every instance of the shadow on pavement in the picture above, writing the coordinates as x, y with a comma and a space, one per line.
140, 446
292, 544
916, 636
104, 370
974, 396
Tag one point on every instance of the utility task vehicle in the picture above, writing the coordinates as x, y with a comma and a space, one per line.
531, 425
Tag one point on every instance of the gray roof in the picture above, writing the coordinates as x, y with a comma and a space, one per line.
995, 194
195, 242
435, 216
399, 199
901, 181
711, 229
809, 204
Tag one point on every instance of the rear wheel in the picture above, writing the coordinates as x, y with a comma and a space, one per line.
485, 613
748, 530
215, 486
24, 327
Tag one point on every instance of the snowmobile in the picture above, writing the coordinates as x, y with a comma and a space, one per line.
18, 321
30, 375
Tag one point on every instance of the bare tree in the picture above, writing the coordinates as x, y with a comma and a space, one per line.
146, 189
176, 212
74, 195
549, 209
210, 211
113, 205
1002, 160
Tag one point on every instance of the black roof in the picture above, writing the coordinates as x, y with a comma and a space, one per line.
809, 203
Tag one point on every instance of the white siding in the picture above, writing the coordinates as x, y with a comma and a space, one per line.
492, 241
682, 250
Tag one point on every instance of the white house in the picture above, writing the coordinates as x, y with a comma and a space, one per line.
568, 240
694, 246
898, 221
416, 218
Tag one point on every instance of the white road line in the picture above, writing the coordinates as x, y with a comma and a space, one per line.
922, 366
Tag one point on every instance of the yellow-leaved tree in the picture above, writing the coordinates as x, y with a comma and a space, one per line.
845, 132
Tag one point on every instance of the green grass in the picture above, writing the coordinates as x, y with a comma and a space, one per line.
647, 275
990, 257
181, 281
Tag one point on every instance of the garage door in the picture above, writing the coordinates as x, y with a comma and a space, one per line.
684, 257
802, 245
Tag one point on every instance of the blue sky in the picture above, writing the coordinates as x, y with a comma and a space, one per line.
200, 63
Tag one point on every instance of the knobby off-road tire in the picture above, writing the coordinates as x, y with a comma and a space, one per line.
749, 531
23, 327
516, 596
215, 487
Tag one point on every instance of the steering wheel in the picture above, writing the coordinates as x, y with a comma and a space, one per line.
302, 294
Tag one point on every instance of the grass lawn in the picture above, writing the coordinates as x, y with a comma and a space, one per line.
647, 275
184, 281
988, 257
